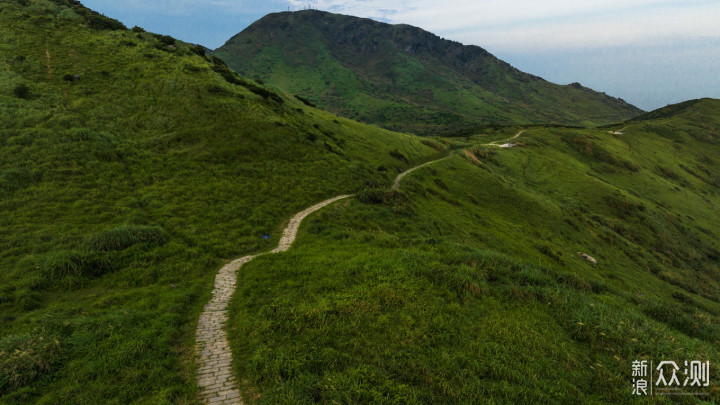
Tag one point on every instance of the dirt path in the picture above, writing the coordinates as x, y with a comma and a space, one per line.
620, 131
216, 379
506, 143
396, 184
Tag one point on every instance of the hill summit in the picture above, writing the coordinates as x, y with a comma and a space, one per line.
405, 78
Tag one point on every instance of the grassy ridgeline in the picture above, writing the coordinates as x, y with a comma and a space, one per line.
130, 166
466, 285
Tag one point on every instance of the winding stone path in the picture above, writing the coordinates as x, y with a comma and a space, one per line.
214, 359
290, 231
215, 374
396, 185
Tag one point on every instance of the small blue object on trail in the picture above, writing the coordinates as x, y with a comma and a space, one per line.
266, 236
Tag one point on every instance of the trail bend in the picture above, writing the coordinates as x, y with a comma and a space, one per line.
216, 379
506, 143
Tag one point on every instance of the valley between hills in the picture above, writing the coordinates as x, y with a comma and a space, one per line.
426, 205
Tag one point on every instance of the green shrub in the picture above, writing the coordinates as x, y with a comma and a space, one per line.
138, 29
227, 74
547, 251
397, 155
167, 39
71, 77
69, 14
603, 155
441, 184
433, 145
667, 173
215, 89
632, 166
100, 22
123, 237
199, 50
231, 77
372, 196
395, 199
22, 91
264, 93
25, 358
305, 101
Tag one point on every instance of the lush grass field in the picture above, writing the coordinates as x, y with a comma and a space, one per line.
131, 166
466, 286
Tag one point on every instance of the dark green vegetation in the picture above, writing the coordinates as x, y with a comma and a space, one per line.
404, 78
130, 166
466, 285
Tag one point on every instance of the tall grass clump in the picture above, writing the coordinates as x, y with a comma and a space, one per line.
74, 263
25, 358
123, 237
395, 199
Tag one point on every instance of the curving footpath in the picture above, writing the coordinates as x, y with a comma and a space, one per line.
506, 143
215, 374
396, 185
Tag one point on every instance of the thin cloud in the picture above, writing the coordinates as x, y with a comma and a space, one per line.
550, 24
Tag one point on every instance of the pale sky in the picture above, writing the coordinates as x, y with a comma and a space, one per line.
649, 52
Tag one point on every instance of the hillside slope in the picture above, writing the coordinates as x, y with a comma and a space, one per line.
131, 167
404, 78
467, 286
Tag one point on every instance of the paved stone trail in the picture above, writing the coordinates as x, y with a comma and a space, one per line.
215, 374
396, 185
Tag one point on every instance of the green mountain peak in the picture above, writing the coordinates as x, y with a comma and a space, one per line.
404, 78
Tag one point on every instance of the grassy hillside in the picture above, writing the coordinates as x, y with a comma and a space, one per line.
404, 78
131, 167
466, 285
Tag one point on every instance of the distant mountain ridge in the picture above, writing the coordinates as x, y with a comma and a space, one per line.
404, 78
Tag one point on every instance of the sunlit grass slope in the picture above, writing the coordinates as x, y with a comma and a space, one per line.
466, 286
131, 166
